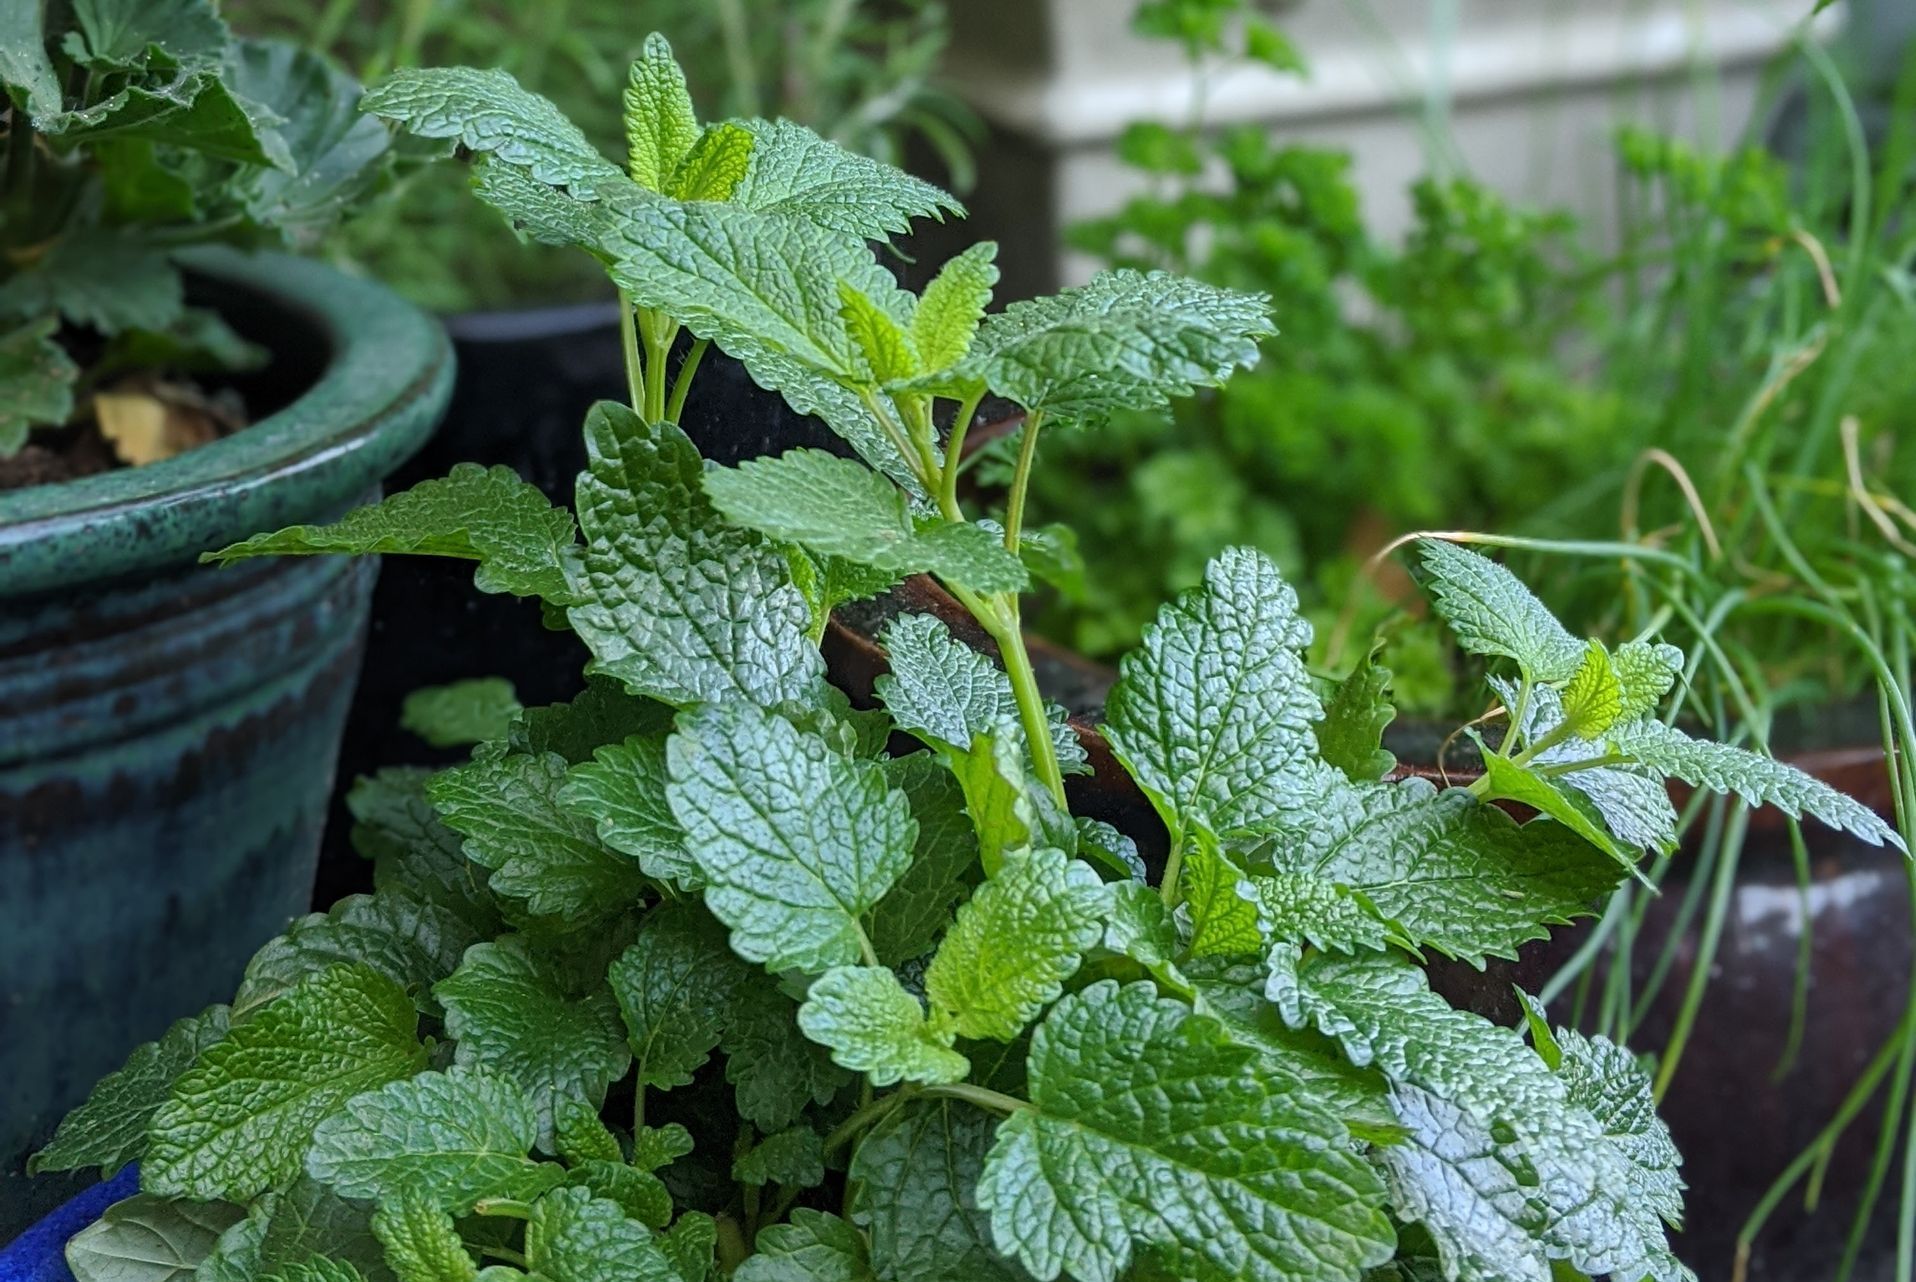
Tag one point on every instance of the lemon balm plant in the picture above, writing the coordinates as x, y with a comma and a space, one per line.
694, 977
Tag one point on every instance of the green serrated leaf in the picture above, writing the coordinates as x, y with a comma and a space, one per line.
1593, 696
658, 1146
883, 349
109, 1130
794, 1158
507, 809
1142, 928
421, 1240
799, 174
837, 507
915, 1177
1492, 613
461, 712
514, 1018
575, 1237
414, 855
540, 212
489, 111
1646, 671
1351, 735
908, 920
238, 1122
290, 1226
1300, 907
622, 791
316, 1268
661, 126
946, 693
875, 1027
692, 1243
672, 600
36, 380
147, 1238
946, 322
414, 943
119, 33
796, 842
715, 166
1212, 1187
602, 714
1214, 714
776, 1070
1509, 781
1606, 1080
579, 1135
814, 1247
25, 67
993, 778
1219, 902
675, 986
1015, 942
522, 543
640, 1195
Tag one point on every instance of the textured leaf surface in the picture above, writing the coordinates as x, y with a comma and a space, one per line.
421, 1241
622, 791
1593, 696
796, 842
238, 1122
814, 1247
1213, 714
715, 166
948, 694
1152, 1130
575, 1237
797, 173
794, 1157
451, 1137
490, 111
1301, 908
875, 1027
883, 349
1015, 942
676, 985
1219, 904
414, 943
908, 920
514, 1018
953, 303
777, 1071
109, 1130
488, 515
1351, 735
661, 126
916, 1176
673, 601
1577, 813
508, 811
1492, 613
146, 1238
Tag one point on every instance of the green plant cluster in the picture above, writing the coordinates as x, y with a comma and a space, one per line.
860, 72
137, 131
694, 977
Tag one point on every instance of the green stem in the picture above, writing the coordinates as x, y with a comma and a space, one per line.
899, 437
507, 1208
865, 1118
1173, 864
1021, 480
1006, 629
982, 1096
683, 383
1556, 768
955, 456
634, 363
506, 1254
1516, 717
658, 331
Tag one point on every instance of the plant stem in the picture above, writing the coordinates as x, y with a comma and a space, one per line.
1021, 480
983, 1096
683, 383
658, 331
634, 363
507, 1208
1007, 630
955, 456
1173, 863
865, 1118
515, 1258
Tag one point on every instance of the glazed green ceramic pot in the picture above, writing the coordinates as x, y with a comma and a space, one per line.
168, 731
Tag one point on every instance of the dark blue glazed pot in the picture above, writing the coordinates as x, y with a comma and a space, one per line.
168, 731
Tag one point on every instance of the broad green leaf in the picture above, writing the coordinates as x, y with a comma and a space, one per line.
915, 1178
622, 791
796, 842
514, 1018
675, 986
453, 1137
575, 1237
1757, 779
1605, 1079
1142, 928
654, 1147
238, 1122
109, 1130
908, 920
777, 1071
877, 1028
1448, 871
1015, 942
522, 543
603, 713
99, 280
25, 68
953, 303
291, 1225
421, 1240
1151, 1132
1351, 735
463, 712
1127, 341
1301, 908
838, 507
540, 212
661, 126
1593, 696
640, 1195
189, 106
883, 351
993, 777
414, 943
715, 166
1492, 613
1646, 671
119, 33
672, 600
948, 694
1509, 781
814, 1247
692, 1243
507, 809
1214, 714
580, 1136
798, 174
36, 379
489, 111
794, 1158
1219, 903
147, 1238
414, 855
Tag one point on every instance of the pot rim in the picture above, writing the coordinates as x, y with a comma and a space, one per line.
385, 383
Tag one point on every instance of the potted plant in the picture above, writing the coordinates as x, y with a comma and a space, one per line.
694, 974
167, 733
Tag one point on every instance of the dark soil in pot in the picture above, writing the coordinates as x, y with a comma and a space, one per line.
167, 730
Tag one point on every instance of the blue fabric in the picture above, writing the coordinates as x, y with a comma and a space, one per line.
39, 1254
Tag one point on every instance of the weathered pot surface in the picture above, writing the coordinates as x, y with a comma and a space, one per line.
168, 731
